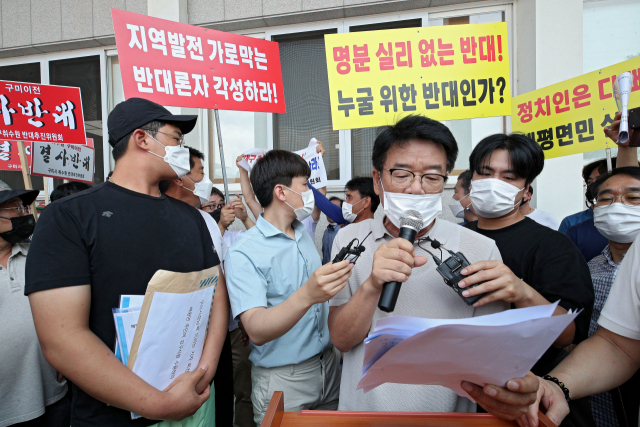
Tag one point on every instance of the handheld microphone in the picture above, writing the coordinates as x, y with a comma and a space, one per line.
410, 225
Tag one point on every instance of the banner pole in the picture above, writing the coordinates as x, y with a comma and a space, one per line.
608, 154
25, 175
211, 153
222, 163
46, 190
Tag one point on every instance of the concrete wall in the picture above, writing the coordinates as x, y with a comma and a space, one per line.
29, 27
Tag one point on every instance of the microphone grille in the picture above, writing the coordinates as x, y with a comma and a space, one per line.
412, 219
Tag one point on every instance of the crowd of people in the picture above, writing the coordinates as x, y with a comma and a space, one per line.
285, 316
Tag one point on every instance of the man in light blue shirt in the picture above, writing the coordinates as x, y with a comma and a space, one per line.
279, 289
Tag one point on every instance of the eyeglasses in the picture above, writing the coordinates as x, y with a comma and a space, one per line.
431, 182
211, 206
22, 210
180, 139
629, 199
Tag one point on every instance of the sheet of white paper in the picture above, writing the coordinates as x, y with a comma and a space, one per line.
622, 90
127, 301
447, 354
173, 336
318, 176
126, 320
249, 157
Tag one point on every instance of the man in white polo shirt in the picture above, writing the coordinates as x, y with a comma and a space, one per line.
411, 162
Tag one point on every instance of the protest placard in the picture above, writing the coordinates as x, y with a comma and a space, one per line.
9, 157
35, 112
444, 72
66, 161
187, 66
568, 117
318, 176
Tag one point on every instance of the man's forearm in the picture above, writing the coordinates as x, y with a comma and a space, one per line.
627, 156
249, 196
597, 365
83, 358
349, 323
267, 324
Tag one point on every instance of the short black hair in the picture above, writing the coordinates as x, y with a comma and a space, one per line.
276, 167
525, 155
216, 190
465, 180
601, 165
364, 186
121, 146
66, 190
193, 154
594, 188
413, 127
332, 198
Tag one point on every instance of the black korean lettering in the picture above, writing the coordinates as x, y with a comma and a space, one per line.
545, 138
389, 98
431, 92
607, 120
365, 103
487, 89
566, 132
469, 88
346, 104
584, 128
453, 94
408, 93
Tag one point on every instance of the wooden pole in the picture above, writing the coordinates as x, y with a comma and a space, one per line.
26, 176
46, 190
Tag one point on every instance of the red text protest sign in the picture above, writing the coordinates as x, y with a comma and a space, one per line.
9, 157
187, 66
34, 112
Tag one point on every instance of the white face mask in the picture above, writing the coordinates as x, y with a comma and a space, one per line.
456, 207
177, 157
618, 222
307, 208
201, 189
492, 197
347, 211
395, 204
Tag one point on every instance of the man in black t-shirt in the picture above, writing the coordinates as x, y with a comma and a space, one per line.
540, 265
90, 248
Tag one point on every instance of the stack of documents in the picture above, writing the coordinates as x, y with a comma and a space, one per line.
483, 350
126, 318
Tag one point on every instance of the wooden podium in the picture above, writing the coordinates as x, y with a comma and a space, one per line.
276, 417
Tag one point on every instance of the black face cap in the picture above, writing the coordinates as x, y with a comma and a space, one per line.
134, 113
27, 196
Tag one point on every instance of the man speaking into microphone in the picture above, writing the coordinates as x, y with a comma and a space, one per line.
411, 161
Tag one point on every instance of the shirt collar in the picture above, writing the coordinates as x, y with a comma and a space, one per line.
378, 230
19, 248
607, 255
269, 230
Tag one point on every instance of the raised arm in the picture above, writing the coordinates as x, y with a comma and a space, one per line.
61, 317
247, 191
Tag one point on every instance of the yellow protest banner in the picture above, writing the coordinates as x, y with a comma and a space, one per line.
445, 73
568, 117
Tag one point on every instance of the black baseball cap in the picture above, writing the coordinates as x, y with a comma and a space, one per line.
134, 113
7, 193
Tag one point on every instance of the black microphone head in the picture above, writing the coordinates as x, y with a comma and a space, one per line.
435, 244
412, 219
